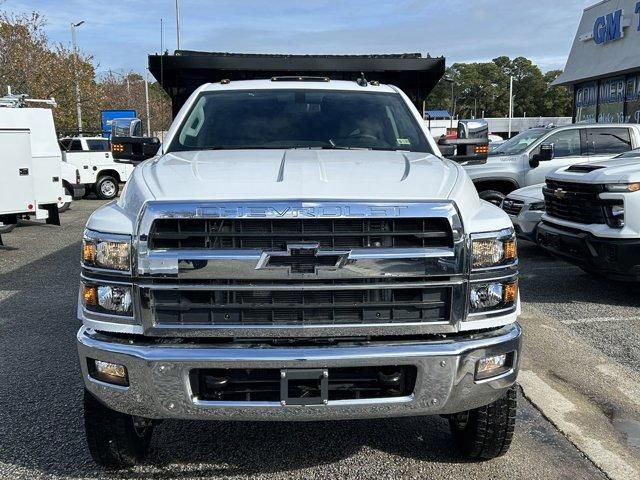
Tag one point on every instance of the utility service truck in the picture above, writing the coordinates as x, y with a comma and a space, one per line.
99, 173
298, 250
32, 175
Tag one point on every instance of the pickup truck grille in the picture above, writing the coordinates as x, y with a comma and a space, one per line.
275, 234
575, 202
288, 305
512, 207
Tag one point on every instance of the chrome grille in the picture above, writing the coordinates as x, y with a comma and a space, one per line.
172, 233
300, 269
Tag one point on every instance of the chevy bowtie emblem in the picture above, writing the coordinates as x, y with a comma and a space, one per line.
304, 257
559, 193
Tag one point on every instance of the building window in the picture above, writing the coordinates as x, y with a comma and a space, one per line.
633, 99
586, 99
611, 100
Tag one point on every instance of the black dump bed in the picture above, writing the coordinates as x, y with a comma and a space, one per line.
184, 71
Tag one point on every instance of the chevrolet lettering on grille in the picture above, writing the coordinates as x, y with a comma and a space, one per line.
303, 258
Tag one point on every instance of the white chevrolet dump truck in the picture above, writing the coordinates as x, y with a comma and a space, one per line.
298, 250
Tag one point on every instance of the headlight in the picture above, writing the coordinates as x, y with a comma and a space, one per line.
622, 187
492, 296
493, 249
111, 252
110, 299
537, 206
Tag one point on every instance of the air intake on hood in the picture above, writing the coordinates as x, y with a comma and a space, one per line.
584, 168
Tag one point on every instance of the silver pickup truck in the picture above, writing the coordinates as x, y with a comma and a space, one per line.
527, 158
297, 250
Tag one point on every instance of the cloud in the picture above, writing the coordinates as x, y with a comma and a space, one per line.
120, 33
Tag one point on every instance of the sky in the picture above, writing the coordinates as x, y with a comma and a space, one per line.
120, 33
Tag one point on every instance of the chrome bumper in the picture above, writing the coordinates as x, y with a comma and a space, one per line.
159, 376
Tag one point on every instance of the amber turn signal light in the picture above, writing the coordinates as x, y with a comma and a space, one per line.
509, 292
510, 249
89, 295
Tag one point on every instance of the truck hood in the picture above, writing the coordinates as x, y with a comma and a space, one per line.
618, 170
300, 174
532, 192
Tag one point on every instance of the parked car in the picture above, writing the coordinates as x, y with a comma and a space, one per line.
525, 207
592, 216
527, 158
98, 172
285, 225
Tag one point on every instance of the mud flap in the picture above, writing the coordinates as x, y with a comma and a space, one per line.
54, 215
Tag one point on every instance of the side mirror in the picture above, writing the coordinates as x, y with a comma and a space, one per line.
472, 143
127, 143
545, 154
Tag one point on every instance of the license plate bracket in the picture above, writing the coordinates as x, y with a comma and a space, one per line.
304, 386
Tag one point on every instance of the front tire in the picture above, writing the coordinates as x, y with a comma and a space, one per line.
486, 432
62, 205
492, 196
107, 188
114, 439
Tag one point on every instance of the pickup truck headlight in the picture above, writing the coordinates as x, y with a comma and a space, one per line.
537, 206
108, 251
492, 296
493, 249
110, 299
622, 187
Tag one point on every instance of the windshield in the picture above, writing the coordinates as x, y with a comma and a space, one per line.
254, 119
520, 142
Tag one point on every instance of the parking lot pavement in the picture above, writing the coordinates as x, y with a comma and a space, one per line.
604, 312
41, 434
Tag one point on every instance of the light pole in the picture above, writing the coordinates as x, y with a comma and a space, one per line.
452, 82
178, 24
75, 72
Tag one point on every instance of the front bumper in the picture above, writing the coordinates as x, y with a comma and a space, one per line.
159, 385
526, 223
615, 259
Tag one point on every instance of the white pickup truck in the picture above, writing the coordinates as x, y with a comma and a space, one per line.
592, 216
98, 172
298, 250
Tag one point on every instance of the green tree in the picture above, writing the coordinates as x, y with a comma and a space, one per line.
484, 87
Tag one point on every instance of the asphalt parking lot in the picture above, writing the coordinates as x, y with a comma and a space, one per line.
568, 317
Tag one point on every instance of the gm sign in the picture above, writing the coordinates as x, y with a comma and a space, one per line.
610, 27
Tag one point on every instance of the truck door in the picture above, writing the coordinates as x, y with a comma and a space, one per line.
607, 142
16, 172
567, 151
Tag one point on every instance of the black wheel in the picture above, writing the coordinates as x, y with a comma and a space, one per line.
62, 205
115, 440
6, 228
486, 432
107, 188
492, 196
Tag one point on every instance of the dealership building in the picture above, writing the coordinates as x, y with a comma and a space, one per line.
603, 68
